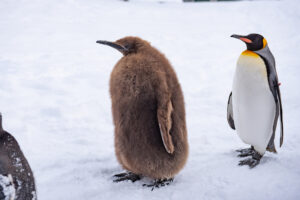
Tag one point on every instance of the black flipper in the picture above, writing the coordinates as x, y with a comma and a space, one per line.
230, 112
271, 145
281, 117
269, 61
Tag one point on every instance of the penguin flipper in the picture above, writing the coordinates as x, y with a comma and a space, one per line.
271, 146
269, 60
274, 87
277, 98
281, 117
230, 112
165, 124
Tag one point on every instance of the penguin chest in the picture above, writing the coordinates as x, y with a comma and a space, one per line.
253, 103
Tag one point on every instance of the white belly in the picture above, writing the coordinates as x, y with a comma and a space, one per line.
253, 103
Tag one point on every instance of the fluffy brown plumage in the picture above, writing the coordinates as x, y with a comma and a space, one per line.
14, 167
148, 111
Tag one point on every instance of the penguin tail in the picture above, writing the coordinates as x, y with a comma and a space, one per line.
271, 148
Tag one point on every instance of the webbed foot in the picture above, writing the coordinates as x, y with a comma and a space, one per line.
246, 152
126, 176
251, 162
159, 183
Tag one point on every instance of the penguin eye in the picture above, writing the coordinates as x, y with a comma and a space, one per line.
127, 46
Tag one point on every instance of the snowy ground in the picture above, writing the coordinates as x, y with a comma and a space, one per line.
55, 100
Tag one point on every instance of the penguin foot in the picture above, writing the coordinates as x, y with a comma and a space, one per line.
126, 176
251, 162
246, 152
159, 183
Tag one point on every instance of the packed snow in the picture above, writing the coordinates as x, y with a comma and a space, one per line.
55, 96
7, 189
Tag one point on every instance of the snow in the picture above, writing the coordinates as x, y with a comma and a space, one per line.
55, 99
6, 187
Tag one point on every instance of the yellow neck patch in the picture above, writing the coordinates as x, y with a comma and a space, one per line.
264, 43
249, 53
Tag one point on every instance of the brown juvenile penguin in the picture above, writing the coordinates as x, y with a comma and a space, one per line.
148, 113
16, 177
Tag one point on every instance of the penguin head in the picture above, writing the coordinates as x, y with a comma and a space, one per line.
127, 45
254, 42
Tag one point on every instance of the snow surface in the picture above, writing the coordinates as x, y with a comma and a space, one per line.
6, 187
55, 99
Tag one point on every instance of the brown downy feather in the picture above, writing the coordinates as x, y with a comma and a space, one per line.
148, 111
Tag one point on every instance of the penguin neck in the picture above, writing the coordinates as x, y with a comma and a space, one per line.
265, 49
249, 53
256, 53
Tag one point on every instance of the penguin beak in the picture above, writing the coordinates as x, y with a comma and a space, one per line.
113, 45
241, 37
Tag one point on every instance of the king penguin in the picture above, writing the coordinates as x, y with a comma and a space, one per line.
148, 113
254, 105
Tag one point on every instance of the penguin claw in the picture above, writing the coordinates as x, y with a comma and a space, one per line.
121, 174
159, 183
246, 152
126, 176
251, 162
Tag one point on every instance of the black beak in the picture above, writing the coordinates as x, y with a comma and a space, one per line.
241, 37
113, 45
237, 36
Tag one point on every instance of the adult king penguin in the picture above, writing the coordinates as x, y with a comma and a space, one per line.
254, 104
148, 113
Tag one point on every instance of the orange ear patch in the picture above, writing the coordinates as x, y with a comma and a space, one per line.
245, 40
264, 43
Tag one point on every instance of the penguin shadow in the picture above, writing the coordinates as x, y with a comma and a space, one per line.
231, 154
109, 172
267, 159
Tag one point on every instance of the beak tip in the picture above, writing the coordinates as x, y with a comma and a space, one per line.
235, 36
101, 42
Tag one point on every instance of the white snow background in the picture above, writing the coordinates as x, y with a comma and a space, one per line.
55, 97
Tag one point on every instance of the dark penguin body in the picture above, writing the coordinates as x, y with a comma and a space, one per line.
148, 111
16, 178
